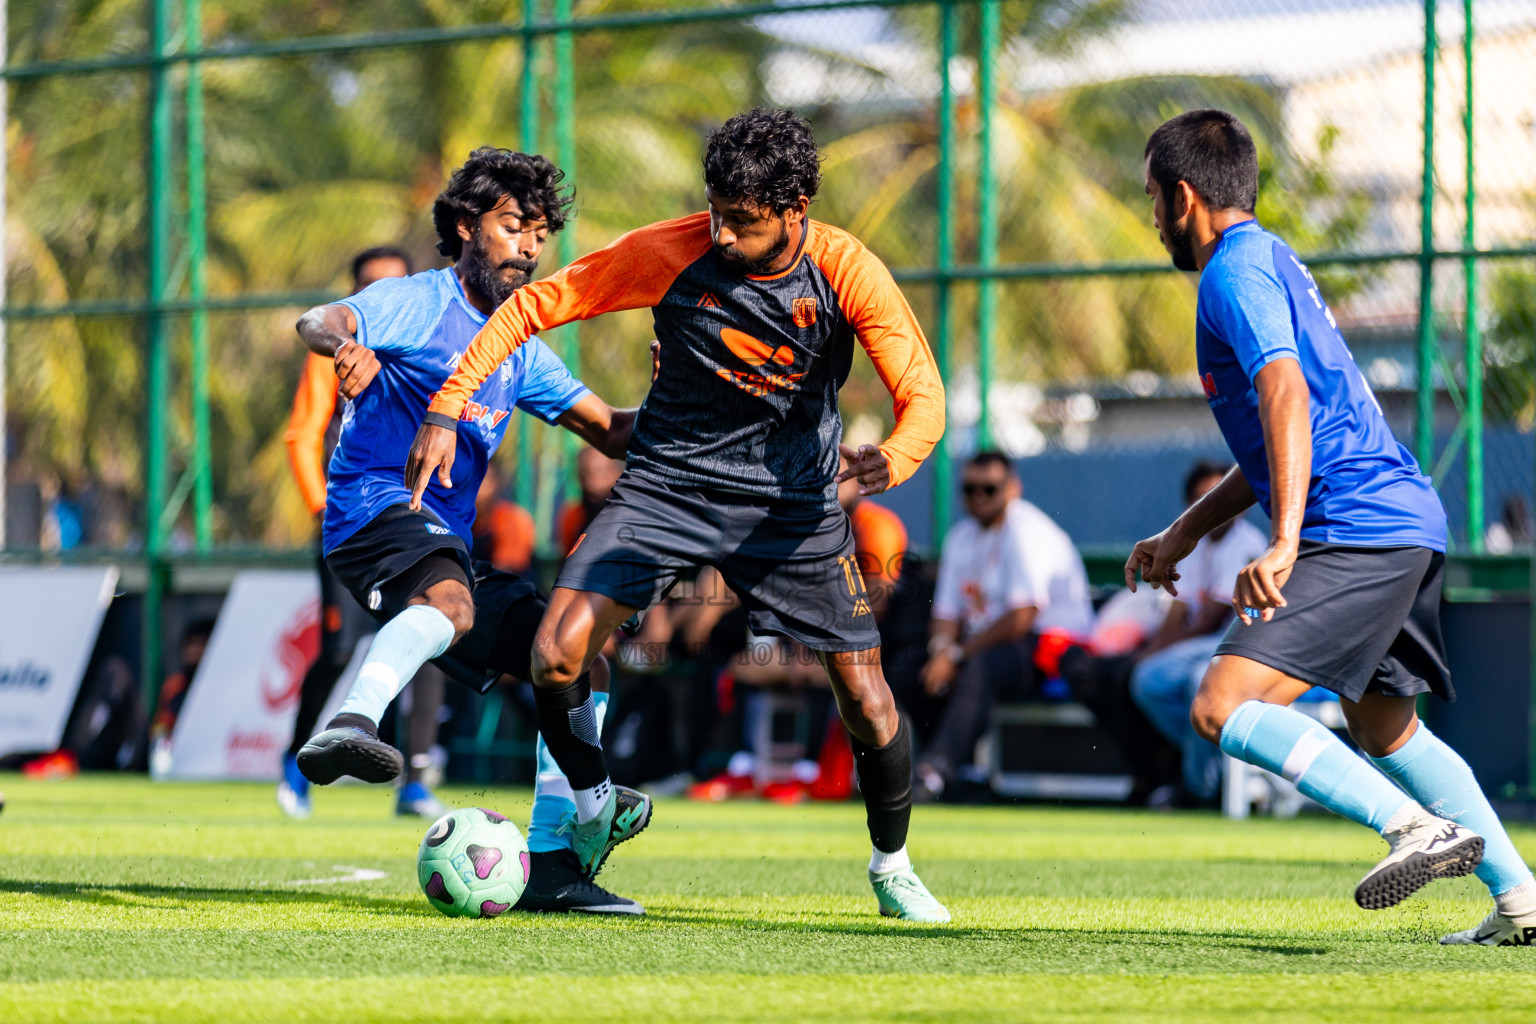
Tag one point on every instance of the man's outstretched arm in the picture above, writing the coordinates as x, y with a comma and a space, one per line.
599, 424
634, 272
331, 330
888, 330
1286, 413
1157, 558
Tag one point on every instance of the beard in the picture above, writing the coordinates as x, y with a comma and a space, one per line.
1182, 248
492, 280
763, 263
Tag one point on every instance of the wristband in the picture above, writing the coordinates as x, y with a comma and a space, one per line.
438, 419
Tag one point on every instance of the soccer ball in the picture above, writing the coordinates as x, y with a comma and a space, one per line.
473, 863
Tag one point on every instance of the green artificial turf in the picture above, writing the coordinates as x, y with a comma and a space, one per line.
123, 900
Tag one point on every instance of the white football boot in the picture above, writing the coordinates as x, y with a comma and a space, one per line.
1424, 849
1496, 930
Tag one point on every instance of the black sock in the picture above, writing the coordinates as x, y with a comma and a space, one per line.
885, 779
347, 720
568, 722
421, 727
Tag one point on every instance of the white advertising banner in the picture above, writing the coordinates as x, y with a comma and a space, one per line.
49, 618
238, 717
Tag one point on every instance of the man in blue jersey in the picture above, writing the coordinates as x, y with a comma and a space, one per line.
394, 343
1347, 595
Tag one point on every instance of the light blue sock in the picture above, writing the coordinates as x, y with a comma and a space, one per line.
1437, 777
404, 644
552, 801
1292, 745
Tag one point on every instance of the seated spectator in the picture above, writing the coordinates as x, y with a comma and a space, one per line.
597, 474
503, 530
1164, 681
1007, 575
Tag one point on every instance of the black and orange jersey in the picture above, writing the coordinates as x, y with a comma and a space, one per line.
313, 428
746, 396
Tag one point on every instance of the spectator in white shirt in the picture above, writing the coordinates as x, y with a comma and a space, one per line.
1007, 573
1165, 680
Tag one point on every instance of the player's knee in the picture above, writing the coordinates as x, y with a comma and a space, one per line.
1376, 739
1208, 714
555, 662
458, 606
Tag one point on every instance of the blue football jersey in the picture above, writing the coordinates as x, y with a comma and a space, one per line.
419, 326
1258, 303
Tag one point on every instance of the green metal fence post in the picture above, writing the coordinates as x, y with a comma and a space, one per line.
530, 143
1424, 427
159, 362
943, 485
986, 229
565, 156
197, 242
1474, 332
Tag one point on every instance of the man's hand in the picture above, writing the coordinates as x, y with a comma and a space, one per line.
1257, 593
870, 465
938, 673
655, 359
432, 450
1158, 559
356, 366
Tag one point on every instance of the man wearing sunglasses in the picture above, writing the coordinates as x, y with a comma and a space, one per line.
1007, 573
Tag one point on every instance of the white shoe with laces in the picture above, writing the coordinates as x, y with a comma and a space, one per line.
1496, 930
1423, 849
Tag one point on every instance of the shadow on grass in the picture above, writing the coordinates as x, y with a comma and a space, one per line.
125, 894
834, 922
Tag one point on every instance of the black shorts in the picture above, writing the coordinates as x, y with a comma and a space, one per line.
402, 552
793, 565
1356, 621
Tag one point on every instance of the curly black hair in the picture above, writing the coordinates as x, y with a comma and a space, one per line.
765, 155
487, 176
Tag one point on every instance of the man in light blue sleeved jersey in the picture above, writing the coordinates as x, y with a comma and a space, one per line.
1347, 595
394, 343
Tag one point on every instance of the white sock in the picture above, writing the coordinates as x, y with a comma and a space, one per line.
402, 645
1519, 901
590, 802
882, 863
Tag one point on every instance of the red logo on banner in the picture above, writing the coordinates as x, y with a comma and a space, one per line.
297, 647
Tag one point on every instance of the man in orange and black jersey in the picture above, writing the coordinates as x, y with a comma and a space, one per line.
313, 428
733, 460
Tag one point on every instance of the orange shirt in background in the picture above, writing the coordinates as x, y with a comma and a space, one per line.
504, 537
314, 407
880, 542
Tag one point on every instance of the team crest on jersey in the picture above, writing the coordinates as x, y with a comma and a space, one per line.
805, 312
708, 301
506, 372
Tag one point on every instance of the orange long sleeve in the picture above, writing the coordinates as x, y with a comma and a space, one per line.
632, 273
889, 332
314, 403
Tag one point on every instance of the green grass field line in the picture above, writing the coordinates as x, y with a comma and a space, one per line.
123, 900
